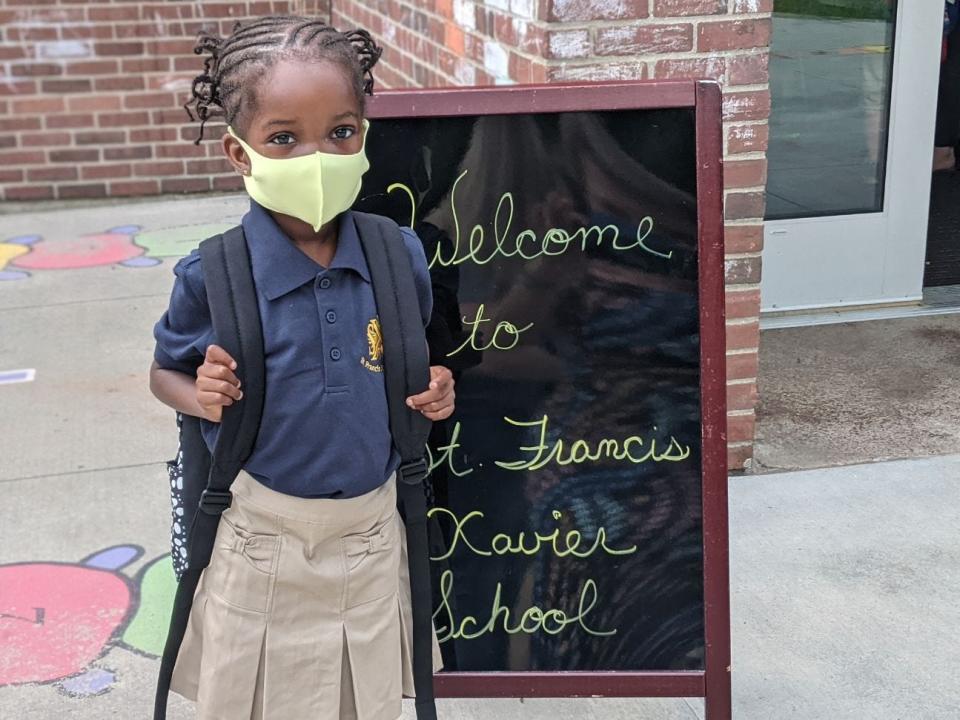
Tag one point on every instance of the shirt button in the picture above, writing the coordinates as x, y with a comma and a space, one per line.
324, 283
335, 354
331, 316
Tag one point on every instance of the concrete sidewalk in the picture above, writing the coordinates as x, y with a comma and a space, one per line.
844, 579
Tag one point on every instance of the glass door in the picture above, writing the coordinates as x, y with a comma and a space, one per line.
853, 85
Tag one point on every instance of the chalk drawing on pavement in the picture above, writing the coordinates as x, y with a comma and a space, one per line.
58, 620
13, 377
125, 245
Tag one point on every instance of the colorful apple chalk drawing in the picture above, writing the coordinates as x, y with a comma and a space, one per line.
58, 620
125, 245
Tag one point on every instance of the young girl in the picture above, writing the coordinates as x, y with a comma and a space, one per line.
303, 611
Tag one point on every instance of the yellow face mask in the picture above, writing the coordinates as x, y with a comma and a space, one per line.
314, 188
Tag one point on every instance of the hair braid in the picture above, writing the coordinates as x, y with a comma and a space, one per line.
227, 86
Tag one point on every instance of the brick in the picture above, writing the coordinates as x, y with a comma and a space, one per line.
751, 6
741, 304
225, 183
740, 206
743, 336
568, 44
644, 39
149, 100
113, 14
751, 105
28, 192
51, 174
94, 103
742, 270
122, 119
93, 190
747, 138
169, 117
674, 8
45, 139
184, 185
110, 84
712, 68
733, 35
32, 33
110, 49
742, 396
74, 156
35, 69
134, 152
101, 137
163, 167
105, 172
76, 85
596, 72
12, 52
742, 366
741, 428
11, 158
38, 106
93, 67
11, 176
69, 121
154, 135
145, 65
749, 69
8, 141
20, 123
743, 238
166, 48
180, 151
587, 10
179, 10
744, 173
18, 87
86, 32
135, 187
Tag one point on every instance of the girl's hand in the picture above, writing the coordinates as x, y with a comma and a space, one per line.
437, 403
217, 386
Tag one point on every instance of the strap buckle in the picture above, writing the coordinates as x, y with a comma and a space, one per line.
414, 473
214, 502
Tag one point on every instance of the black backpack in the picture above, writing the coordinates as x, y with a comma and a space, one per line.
200, 481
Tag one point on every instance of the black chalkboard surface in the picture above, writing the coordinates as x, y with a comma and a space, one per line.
568, 488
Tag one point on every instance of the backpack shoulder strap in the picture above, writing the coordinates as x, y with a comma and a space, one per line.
235, 315
406, 367
406, 359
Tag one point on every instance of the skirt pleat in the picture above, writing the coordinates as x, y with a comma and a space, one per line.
303, 612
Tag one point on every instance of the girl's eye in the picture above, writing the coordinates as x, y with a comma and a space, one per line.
282, 139
343, 133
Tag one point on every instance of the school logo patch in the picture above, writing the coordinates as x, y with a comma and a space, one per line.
374, 360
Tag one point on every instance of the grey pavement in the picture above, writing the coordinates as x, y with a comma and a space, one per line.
844, 579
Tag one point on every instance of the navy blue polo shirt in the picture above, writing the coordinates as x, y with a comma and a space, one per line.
325, 430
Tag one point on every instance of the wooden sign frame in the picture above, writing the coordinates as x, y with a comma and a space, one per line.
713, 682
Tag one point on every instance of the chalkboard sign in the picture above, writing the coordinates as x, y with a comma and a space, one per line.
574, 238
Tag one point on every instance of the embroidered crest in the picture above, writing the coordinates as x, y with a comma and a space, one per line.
374, 363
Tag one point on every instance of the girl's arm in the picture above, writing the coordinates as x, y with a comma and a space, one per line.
176, 389
215, 387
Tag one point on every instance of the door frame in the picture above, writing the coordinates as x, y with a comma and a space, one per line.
874, 258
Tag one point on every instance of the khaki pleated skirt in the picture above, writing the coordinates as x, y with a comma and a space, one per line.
303, 612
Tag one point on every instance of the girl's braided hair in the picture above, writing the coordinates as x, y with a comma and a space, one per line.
227, 86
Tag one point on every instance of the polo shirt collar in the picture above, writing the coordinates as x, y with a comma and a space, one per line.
279, 266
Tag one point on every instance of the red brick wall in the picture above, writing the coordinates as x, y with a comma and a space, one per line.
481, 42
91, 95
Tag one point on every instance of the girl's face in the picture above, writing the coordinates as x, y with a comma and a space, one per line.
301, 108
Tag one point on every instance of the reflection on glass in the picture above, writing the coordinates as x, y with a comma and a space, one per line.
830, 68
